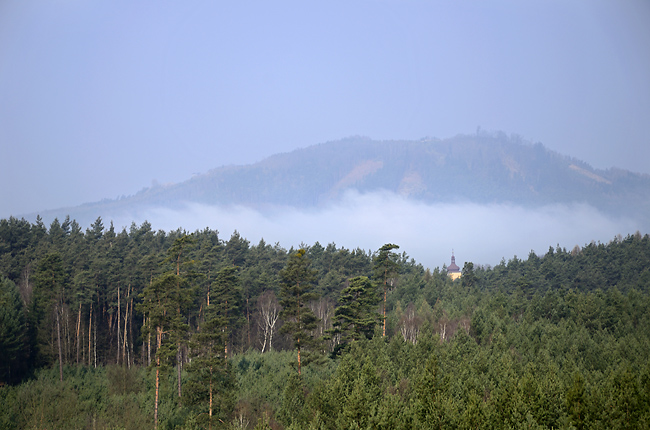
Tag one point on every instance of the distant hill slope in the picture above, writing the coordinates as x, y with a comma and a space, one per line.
477, 168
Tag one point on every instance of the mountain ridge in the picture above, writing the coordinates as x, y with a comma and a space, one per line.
483, 168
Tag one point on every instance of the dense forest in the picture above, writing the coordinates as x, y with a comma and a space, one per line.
108, 329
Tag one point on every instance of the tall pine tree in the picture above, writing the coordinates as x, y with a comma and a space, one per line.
296, 282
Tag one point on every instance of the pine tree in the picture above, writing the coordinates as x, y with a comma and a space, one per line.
164, 302
48, 303
356, 316
227, 301
385, 268
297, 279
12, 333
211, 382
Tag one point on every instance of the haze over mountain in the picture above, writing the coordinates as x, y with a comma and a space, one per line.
488, 195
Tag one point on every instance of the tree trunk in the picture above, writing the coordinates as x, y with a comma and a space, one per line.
248, 318
178, 369
90, 327
78, 329
155, 408
125, 343
58, 334
298, 356
144, 322
210, 416
149, 346
66, 330
95, 344
117, 359
131, 332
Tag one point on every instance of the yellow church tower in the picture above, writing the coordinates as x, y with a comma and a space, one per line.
453, 271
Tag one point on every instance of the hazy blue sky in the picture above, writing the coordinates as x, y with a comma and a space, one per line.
99, 98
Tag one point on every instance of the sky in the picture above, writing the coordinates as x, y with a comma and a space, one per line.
99, 99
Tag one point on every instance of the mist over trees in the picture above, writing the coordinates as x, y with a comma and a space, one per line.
139, 328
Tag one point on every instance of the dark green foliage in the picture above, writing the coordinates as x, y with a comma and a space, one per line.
577, 402
553, 341
385, 267
356, 316
13, 334
211, 383
48, 303
297, 279
292, 408
227, 302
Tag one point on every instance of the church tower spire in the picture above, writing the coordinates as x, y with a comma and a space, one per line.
453, 271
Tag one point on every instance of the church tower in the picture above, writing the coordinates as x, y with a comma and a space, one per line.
453, 271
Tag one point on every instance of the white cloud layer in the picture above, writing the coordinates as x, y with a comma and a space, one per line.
483, 234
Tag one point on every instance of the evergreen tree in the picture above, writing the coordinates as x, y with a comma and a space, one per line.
356, 316
211, 382
385, 268
48, 303
164, 302
297, 279
13, 357
227, 301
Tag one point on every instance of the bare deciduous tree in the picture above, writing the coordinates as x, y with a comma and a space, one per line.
324, 311
410, 324
269, 310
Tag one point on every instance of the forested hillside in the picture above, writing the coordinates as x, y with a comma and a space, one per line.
138, 328
486, 168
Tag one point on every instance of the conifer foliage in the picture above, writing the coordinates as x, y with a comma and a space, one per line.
125, 329
356, 315
296, 283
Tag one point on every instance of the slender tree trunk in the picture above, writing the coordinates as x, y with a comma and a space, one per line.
58, 333
248, 317
95, 344
78, 329
125, 344
155, 408
131, 332
66, 329
179, 355
226, 331
298, 356
117, 359
299, 327
83, 346
178, 345
90, 327
210, 416
271, 337
144, 322
149, 346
